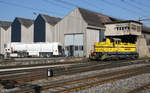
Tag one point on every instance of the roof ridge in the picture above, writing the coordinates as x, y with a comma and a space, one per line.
25, 21
50, 15
95, 18
5, 21
52, 20
24, 18
92, 11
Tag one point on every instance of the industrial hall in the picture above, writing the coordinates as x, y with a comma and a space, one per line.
77, 32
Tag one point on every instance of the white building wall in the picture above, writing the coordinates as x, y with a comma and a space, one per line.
75, 24
49, 33
72, 23
27, 34
92, 35
112, 31
5, 37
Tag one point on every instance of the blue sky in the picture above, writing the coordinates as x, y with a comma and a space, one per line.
123, 9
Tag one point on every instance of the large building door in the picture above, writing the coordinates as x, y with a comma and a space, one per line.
74, 45
78, 43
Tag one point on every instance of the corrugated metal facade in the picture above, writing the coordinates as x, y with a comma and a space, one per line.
44, 28
71, 24
5, 37
49, 33
75, 25
27, 34
92, 35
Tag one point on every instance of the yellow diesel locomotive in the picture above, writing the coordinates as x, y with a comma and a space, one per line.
113, 48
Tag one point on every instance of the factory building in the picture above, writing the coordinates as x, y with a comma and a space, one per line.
127, 31
79, 30
22, 30
132, 32
44, 28
5, 34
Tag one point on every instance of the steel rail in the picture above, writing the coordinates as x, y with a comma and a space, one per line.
122, 74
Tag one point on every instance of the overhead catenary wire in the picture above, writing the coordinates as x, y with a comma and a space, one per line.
135, 6
64, 2
121, 7
75, 5
140, 4
27, 7
67, 3
91, 4
53, 2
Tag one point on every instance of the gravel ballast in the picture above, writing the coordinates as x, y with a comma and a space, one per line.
121, 86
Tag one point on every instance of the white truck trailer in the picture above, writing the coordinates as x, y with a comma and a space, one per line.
33, 49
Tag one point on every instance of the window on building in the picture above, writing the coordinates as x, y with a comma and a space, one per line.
133, 27
76, 48
123, 28
80, 47
126, 28
117, 28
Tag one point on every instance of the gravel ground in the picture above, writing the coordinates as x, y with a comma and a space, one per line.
121, 86
34, 61
144, 91
87, 74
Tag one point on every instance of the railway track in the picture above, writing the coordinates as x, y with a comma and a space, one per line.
34, 63
43, 62
77, 84
38, 74
139, 89
79, 67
